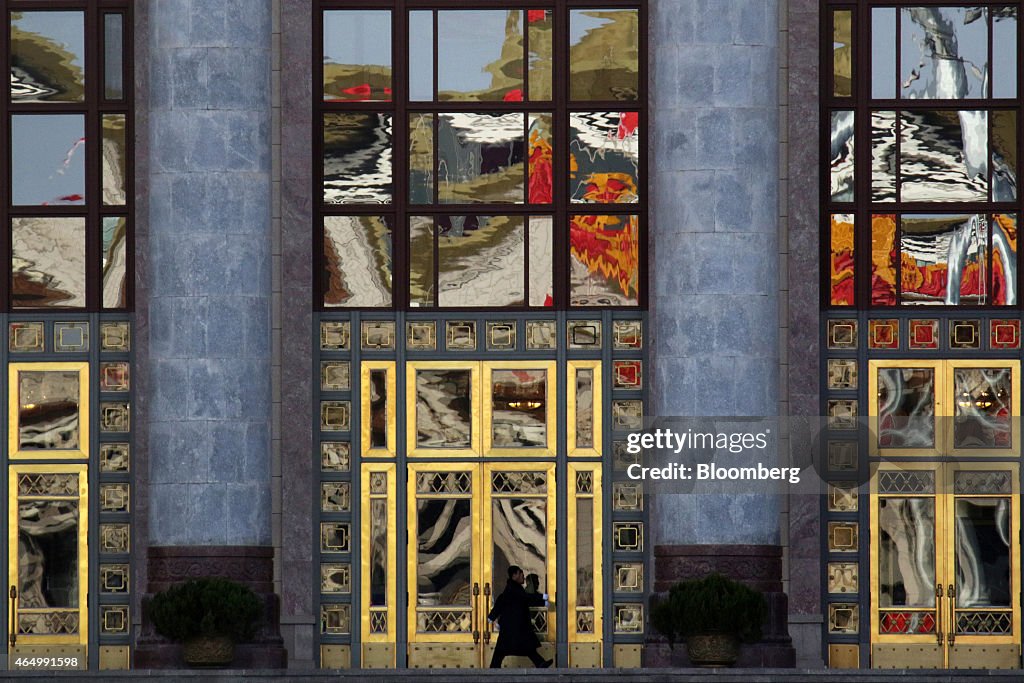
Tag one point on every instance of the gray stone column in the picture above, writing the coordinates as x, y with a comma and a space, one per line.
714, 304
209, 296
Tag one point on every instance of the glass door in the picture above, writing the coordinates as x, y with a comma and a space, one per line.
945, 560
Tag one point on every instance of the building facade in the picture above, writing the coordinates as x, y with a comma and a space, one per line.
358, 302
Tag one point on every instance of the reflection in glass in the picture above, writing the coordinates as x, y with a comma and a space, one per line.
444, 547
519, 400
944, 259
944, 156
47, 555
480, 55
585, 408
883, 156
906, 552
1004, 52
943, 52
584, 552
604, 149
883, 53
842, 258
519, 532
1004, 259
421, 261
115, 159
357, 56
114, 266
1004, 155
48, 262
47, 56
604, 54
982, 552
444, 409
378, 552
539, 23
480, 158
421, 158
541, 261
883, 259
842, 53
113, 56
605, 260
481, 261
357, 261
842, 156
378, 409
421, 56
357, 158
48, 410
48, 159
541, 185
983, 404
906, 407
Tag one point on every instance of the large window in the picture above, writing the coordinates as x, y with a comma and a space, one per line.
481, 158
66, 189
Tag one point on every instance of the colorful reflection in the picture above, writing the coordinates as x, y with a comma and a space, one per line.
604, 157
883, 259
842, 259
943, 259
1004, 259
605, 267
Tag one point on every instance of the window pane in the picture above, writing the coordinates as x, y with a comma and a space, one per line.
519, 418
541, 51
444, 408
480, 55
983, 403
113, 56
480, 158
421, 158
883, 259
842, 53
1004, 259
48, 577
48, 262
48, 158
584, 407
115, 159
378, 552
605, 263
48, 410
604, 54
1004, 52
906, 407
842, 248
379, 408
842, 156
906, 552
883, 53
114, 265
541, 261
584, 552
943, 156
357, 56
943, 52
357, 261
983, 553
47, 56
421, 261
421, 56
357, 159
943, 259
541, 159
481, 261
1004, 156
883, 156
604, 157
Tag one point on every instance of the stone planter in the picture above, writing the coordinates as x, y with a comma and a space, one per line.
716, 650
212, 652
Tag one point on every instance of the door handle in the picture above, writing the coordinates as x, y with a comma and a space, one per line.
938, 613
487, 622
476, 612
951, 592
14, 615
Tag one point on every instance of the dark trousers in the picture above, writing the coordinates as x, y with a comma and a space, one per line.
500, 653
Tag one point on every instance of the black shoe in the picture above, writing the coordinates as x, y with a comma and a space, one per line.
547, 663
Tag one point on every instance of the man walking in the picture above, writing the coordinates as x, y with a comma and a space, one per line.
512, 612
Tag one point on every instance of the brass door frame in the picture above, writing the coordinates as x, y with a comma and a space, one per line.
945, 612
480, 636
82, 470
14, 451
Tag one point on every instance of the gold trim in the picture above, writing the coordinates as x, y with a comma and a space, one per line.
551, 407
392, 549
13, 405
82, 637
573, 561
570, 414
410, 408
388, 366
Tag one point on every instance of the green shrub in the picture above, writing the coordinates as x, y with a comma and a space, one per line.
206, 607
711, 605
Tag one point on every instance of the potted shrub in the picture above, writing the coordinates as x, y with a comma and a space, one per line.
207, 616
713, 615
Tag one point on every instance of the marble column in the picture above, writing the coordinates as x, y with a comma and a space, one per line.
209, 296
714, 303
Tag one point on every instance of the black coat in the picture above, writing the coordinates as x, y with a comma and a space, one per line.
512, 612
